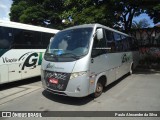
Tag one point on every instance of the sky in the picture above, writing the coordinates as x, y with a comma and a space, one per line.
5, 9
6, 4
144, 16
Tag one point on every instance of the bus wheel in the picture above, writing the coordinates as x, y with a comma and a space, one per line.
99, 90
131, 69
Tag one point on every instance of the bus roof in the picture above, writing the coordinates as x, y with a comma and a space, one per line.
26, 27
95, 25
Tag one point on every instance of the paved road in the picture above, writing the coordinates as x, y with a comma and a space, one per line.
138, 92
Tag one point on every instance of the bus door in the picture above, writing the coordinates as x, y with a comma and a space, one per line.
98, 57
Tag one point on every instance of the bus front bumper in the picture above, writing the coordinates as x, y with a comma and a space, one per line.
77, 87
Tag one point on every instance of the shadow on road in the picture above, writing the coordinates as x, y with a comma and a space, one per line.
115, 83
74, 100
66, 99
19, 83
135, 72
146, 71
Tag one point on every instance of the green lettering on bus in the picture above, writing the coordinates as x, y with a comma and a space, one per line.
40, 58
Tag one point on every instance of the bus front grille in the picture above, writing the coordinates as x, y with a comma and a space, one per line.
60, 78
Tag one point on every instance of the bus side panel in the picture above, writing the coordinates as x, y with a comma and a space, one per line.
31, 72
20, 64
111, 75
3, 74
114, 64
32, 63
104, 63
14, 72
126, 59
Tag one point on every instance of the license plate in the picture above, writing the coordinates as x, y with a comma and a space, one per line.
53, 80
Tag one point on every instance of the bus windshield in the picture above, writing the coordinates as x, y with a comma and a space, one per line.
72, 43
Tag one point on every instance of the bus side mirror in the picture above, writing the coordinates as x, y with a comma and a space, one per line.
51, 39
99, 33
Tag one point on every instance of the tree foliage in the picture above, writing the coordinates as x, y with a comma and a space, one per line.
88, 11
17, 10
112, 13
38, 12
154, 12
125, 10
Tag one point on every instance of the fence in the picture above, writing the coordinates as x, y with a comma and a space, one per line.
149, 46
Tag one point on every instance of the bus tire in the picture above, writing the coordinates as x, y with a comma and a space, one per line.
131, 69
99, 90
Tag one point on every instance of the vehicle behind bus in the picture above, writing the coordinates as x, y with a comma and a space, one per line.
82, 60
21, 50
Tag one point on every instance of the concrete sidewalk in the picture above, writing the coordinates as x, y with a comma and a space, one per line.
16, 92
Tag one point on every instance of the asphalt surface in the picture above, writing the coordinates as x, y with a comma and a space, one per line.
137, 92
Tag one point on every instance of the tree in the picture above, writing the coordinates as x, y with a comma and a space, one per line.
112, 13
50, 13
17, 10
38, 12
154, 12
125, 10
88, 11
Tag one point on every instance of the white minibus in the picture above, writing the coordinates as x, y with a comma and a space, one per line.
82, 60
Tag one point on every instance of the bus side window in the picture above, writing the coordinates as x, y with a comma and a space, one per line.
5, 37
46, 39
125, 43
20, 39
99, 46
37, 43
118, 42
28, 39
110, 41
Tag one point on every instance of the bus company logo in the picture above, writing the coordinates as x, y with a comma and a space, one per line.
125, 58
50, 66
8, 60
31, 59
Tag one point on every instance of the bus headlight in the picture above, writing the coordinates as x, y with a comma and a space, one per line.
76, 74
